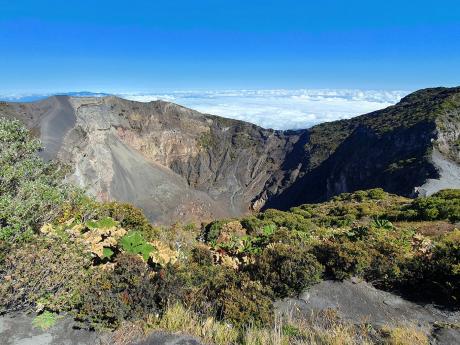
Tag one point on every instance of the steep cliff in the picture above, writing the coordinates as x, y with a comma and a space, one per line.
179, 165
410, 148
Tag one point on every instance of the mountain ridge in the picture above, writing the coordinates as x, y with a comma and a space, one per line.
178, 164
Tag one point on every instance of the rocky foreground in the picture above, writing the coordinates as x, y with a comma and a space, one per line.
353, 301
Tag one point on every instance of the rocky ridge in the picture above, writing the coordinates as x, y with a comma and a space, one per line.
179, 165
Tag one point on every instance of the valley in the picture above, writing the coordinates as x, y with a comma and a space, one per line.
179, 165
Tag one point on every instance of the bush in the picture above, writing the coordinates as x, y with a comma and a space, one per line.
290, 220
127, 293
31, 191
216, 291
78, 208
130, 218
377, 194
286, 270
212, 230
390, 252
194, 284
436, 275
46, 272
245, 303
343, 259
442, 205
202, 255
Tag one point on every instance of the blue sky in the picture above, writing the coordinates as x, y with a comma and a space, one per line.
143, 46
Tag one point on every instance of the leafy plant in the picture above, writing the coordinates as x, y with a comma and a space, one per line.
134, 243
268, 230
382, 224
357, 233
107, 253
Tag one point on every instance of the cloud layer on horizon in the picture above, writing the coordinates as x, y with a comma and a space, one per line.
277, 109
280, 109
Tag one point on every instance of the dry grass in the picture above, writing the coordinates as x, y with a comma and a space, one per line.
324, 328
405, 335
270, 336
178, 319
126, 334
428, 228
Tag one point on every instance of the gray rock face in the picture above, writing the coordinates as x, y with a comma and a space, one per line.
174, 163
180, 165
358, 302
449, 175
55, 124
17, 329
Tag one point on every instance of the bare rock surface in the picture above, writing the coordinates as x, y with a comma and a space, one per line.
359, 302
55, 125
17, 329
449, 175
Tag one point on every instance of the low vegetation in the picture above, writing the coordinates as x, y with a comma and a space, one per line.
106, 265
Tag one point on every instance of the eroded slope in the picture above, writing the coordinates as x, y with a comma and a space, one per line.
178, 164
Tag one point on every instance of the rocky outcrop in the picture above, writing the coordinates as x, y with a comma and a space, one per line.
180, 165
19, 329
359, 303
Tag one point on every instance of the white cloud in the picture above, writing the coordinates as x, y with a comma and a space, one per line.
280, 109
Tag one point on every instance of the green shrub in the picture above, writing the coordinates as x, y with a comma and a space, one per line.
289, 220
202, 255
255, 226
246, 303
31, 191
195, 284
377, 194
291, 237
388, 264
343, 259
216, 291
130, 218
45, 320
357, 233
436, 275
46, 271
442, 205
212, 230
286, 270
79, 207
